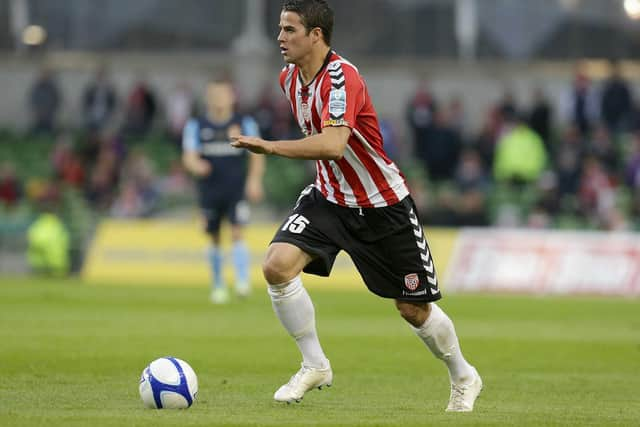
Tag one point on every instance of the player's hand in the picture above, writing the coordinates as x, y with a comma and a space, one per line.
254, 191
202, 169
252, 143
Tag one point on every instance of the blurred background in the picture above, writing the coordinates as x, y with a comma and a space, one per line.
518, 117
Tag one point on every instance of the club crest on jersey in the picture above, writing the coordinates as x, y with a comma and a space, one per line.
337, 102
412, 281
206, 134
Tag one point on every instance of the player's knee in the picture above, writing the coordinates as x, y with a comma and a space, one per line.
236, 233
283, 262
276, 271
415, 313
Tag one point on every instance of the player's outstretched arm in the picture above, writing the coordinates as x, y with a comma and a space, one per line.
328, 145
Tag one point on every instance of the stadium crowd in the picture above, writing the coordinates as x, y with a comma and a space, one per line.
532, 164
575, 164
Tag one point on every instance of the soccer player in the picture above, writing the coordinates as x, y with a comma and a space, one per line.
359, 203
224, 177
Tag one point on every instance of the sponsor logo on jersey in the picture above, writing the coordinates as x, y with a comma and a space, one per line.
337, 102
340, 122
306, 111
219, 148
412, 281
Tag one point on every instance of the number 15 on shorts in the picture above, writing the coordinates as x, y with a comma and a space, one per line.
295, 224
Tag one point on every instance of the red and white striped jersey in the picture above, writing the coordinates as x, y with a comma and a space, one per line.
338, 96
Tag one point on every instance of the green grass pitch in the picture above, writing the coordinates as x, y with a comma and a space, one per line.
71, 355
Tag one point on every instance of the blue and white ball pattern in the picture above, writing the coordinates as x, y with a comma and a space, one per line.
168, 383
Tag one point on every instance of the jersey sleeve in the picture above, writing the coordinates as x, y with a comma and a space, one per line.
342, 96
190, 139
250, 127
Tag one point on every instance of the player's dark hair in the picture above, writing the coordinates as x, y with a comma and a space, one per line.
220, 77
314, 14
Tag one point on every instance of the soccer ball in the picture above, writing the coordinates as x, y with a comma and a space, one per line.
168, 383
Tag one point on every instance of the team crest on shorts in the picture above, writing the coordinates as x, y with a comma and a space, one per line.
412, 281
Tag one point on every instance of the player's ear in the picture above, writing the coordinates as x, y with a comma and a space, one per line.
316, 34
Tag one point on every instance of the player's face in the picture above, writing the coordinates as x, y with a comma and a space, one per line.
293, 39
220, 96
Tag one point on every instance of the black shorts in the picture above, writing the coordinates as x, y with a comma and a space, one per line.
386, 244
214, 210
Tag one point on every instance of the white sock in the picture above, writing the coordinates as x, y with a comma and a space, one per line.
439, 335
294, 308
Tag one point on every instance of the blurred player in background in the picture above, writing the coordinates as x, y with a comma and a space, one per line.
359, 203
225, 177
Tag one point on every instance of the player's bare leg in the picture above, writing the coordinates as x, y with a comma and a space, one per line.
293, 306
241, 261
436, 330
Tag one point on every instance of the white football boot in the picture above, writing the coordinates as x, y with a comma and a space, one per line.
219, 295
463, 396
243, 289
304, 380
